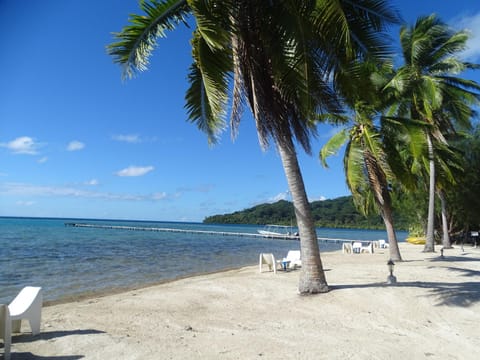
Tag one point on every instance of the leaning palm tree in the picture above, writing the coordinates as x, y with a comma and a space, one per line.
274, 56
427, 86
368, 173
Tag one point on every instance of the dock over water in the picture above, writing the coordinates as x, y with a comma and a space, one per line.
202, 232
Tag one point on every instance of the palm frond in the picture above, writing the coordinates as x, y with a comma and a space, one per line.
139, 39
333, 145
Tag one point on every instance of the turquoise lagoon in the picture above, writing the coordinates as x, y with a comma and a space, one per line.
69, 262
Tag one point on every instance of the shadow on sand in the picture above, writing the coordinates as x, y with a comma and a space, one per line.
48, 335
459, 293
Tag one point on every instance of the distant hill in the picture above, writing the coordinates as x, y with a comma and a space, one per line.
337, 213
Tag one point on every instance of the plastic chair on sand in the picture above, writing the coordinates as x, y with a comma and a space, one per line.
268, 259
382, 244
356, 247
367, 248
293, 259
27, 305
5, 330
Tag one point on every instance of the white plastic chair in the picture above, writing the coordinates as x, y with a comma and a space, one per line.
367, 248
27, 305
347, 248
382, 244
268, 259
5, 330
293, 259
356, 247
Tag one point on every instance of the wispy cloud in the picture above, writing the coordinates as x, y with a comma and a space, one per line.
135, 171
42, 160
278, 197
25, 203
92, 182
22, 189
75, 145
471, 23
128, 138
22, 145
317, 198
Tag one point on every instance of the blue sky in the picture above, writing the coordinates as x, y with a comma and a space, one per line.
76, 141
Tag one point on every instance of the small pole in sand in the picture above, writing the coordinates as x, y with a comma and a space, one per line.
391, 279
441, 253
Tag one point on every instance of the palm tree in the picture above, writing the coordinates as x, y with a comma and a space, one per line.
427, 87
368, 173
274, 56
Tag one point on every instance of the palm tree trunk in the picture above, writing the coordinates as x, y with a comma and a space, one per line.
445, 236
430, 243
312, 277
387, 216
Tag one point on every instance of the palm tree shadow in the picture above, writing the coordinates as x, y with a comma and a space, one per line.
48, 335
30, 356
454, 259
462, 294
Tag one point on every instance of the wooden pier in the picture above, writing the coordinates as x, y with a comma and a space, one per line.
202, 232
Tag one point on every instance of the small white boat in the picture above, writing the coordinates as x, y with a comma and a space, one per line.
278, 232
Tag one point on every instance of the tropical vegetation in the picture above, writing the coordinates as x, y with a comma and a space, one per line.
340, 212
428, 90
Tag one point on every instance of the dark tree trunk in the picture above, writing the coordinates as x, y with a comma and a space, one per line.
312, 277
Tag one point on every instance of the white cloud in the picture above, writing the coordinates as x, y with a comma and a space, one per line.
42, 160
92, 182
22, 145
159, 196
319, 198
75, 145
470, 23
25, 203
278, 197
135, 171
21, 189
129, 138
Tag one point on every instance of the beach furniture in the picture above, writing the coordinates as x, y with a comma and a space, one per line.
292, 260
367, 248
5, 330
347, 248
268, 259
382, 244
356, 247
27, 305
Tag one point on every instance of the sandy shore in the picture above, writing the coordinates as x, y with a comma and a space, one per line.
433, 312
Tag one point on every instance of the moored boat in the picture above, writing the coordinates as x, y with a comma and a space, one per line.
278, 231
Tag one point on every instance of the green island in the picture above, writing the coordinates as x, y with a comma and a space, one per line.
332, 213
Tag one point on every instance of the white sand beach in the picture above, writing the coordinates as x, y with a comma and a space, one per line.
433, 312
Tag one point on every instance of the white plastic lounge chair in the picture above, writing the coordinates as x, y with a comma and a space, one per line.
356, 247
269, 259
382, 244
367, 248
27, 305
347, 248
292, 260
5, 330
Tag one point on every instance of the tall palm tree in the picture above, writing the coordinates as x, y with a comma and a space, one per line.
427, 86
368, 173
274, 56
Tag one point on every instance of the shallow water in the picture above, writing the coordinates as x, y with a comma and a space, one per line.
68, 261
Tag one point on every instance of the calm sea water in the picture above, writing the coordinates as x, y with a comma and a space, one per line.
69, 261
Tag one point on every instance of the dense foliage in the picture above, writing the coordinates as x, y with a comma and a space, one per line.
337, 213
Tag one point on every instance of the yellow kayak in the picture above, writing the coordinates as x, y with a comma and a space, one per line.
417, 240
